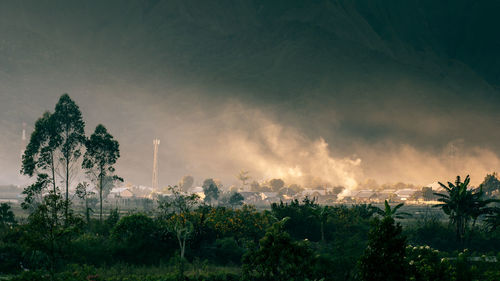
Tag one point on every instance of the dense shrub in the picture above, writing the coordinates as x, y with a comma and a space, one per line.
10, 257
432, 232
91, 248
425, 263
384, 257
227, 251
301, 224
141, 247
278, 257
135, 239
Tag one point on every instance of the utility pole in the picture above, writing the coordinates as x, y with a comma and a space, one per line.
156, 143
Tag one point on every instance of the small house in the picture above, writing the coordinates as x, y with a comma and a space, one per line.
120, 192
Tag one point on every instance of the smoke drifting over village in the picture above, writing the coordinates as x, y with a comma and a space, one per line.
299, 92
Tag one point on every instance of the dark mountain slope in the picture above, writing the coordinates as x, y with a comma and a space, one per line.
345, 70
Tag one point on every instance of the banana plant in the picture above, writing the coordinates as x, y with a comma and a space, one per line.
392, 211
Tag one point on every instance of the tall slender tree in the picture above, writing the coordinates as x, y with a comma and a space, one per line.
70, 130
39, 155
102, 153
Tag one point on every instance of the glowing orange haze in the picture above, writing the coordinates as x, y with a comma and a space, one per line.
243, 138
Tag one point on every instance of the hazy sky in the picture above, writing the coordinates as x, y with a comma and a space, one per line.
310, 91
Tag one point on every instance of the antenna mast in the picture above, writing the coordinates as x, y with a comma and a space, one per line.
23, 140
156, 143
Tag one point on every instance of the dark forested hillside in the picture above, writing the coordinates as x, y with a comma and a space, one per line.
355, 60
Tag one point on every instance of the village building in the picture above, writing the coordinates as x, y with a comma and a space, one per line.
120, 192
405, 194
365, 196
198, 190
251, 197
313, 192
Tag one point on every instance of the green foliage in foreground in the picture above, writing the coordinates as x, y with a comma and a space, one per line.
124, 272
278, 257
384, 257
343, 243
6, 216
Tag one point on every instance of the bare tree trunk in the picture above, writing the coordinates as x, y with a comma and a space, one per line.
52, 247
53, 172
461, 230
322, 232
54, 211
100, 196
67, 188
183, 247
87, 210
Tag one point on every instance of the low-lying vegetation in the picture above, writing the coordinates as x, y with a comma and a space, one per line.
185, 240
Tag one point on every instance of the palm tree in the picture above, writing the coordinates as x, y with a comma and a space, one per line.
480, 205
391, 212
463, 204
321, 213
493, 219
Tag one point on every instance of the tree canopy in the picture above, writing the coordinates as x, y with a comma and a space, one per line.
211, 191
99, 159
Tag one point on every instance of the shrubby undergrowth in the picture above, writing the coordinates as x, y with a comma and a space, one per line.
244, 243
